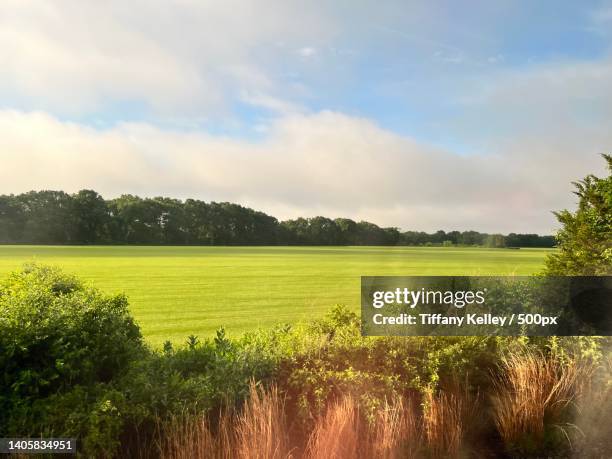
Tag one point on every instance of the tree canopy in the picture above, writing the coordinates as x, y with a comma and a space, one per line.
585, 239
56, 217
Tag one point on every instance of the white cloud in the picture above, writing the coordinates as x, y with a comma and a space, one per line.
307, 51
271, 103
180, 57
325, 163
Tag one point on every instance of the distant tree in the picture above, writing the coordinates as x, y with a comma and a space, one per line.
47, 217
472, 238
90, 217
323, 231
529, 240
298, 231
585, 239
12, 219
392, 236
496, 241
453, 236
172, 221
348, 230
370, 234
438, 237
139, 221
414, 238
55, 217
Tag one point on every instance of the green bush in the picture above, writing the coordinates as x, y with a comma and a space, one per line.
75, 365
585, 240
60, 345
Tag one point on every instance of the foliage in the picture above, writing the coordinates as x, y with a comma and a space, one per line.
585, 241
61, 344
55, 217
76, 366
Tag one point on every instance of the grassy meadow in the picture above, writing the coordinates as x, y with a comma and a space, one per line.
178, 291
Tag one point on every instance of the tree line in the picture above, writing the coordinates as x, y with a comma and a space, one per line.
56, 217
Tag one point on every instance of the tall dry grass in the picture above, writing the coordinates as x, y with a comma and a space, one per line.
187, 438
594, 437
337, 434
399, 429
447, 418
342, 433
257, 432
532, 391
260, 428
397, 432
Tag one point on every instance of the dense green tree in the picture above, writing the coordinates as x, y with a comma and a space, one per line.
12, 219
472, 238
370, 234
496, 241
139, 221
171, 221
47, 217
91, 218
529, 240
348, 230
54, 217
585, 239
324, 231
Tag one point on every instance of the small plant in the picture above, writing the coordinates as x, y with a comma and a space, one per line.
192, 342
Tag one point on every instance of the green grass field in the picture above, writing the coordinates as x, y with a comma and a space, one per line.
178, 291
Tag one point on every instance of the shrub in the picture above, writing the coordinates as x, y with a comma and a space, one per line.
60, 343
585, 241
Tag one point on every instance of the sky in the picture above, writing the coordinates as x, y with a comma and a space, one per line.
423, 115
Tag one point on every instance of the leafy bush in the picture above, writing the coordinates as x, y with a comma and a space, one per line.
585, 241
60, 344
75, 365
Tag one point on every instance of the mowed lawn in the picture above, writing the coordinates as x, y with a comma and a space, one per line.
178, 291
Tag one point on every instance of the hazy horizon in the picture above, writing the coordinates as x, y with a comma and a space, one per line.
420, 115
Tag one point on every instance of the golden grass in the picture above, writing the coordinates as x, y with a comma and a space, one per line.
396, 432
337, 434
533, 390
594, 429
531, 393
260, 428
258, 432
193, 439
447, 418
342, 433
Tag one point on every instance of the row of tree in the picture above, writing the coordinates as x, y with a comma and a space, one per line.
56, 217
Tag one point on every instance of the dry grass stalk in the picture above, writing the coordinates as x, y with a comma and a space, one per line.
396, 432
445, 420
187, 438
260, 430
533, 388
336, 434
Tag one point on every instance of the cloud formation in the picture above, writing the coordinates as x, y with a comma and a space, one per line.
414, 115
324, 163
182, 57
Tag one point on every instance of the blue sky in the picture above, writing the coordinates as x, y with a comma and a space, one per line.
422, 115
